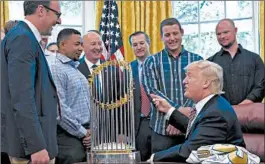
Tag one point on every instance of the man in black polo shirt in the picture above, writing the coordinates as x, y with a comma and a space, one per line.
243, 70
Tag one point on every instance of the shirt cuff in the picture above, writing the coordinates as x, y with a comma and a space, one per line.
152, 158
169, 113
82, 131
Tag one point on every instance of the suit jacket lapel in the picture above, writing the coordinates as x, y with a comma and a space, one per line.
200, 115
42, 56
83, 68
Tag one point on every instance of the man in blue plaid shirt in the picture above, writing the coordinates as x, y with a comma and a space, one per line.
163, 74
73, 134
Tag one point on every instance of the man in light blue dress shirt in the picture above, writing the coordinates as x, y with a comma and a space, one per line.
73, 132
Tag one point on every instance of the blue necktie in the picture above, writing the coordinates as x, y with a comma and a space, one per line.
97, 81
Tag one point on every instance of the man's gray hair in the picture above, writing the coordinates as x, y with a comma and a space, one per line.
211, 71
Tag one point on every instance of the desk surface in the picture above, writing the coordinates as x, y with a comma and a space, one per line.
154, 163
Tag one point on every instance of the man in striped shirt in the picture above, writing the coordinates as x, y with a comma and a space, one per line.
163, 74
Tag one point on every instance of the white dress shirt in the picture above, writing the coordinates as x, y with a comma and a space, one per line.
90, 65
140, 68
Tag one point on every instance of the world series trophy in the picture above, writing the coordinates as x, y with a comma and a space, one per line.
112, 114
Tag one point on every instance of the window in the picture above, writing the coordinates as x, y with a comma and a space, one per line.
79, 15
199, 19
71, 18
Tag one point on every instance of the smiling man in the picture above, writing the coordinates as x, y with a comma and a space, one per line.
243, 69
162, 75
211, 121
73, 92
29, 97
140, 44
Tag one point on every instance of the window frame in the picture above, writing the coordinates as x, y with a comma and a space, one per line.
254, 18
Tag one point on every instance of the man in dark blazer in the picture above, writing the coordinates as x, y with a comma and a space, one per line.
111, 83
212, 121
28, 94
93, 48
140, 44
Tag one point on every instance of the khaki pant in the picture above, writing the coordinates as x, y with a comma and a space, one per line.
15, 160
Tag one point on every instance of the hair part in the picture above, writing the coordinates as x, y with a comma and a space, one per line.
65, 34
138, 33
169, 22
31, 6
211, 71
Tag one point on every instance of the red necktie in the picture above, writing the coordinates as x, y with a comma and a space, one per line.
191, 118
145, 106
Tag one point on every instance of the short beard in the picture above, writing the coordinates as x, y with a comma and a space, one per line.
229, 45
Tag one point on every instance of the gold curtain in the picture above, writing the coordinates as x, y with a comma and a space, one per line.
139, 15
4, 12
261, 14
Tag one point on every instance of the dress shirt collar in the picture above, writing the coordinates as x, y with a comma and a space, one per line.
139, 62
64, 59
239, 49
34, 30
201, 103
181, 52
90, 64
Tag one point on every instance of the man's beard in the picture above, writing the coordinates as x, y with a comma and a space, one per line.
229, 45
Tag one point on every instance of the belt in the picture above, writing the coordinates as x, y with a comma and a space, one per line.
145, 118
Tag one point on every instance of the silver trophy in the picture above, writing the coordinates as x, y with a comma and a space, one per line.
112, 114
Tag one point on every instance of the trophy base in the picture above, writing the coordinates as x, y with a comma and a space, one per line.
113, 157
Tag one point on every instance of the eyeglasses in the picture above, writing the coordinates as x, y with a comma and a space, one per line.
58, 14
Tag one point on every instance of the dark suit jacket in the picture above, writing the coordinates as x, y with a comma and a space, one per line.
113, 87
216, 123
28, 95
136, 95
107, 81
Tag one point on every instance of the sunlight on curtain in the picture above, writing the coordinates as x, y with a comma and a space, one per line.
4, 12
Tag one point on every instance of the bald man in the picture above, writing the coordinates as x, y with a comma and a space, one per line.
93, 48
243, 69
109, 77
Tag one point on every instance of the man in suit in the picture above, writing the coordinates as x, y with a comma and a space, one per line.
108, 89
93, 47
28, 95
140, 44
212, 121
163, 75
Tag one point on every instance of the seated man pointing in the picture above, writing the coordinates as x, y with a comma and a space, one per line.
213, 119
